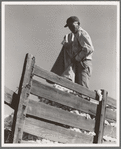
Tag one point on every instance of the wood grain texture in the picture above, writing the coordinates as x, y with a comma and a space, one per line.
10, 98
67, 99
111, 102
100, 118
24, 91
66, 83
8, 95
62, 81
110, 115
110, 131
55, 133
24, 105
58, 115
63, 98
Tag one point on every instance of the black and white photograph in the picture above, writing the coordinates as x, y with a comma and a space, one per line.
60, 74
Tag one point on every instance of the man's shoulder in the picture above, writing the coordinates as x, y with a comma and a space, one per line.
83, 33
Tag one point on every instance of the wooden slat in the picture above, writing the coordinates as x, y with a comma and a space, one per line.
111, 102
64, 98
62, 81
57, 115
55, 133
109, 131
110, 115
8, 95
61, 97
24, 91
11, 98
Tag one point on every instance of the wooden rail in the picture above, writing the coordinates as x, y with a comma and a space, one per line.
51, 121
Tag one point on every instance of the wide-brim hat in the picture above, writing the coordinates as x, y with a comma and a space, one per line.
71, 19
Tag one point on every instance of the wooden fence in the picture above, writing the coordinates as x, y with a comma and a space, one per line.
53, 122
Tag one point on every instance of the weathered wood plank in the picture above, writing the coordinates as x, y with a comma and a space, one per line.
11, 98
66, 83
100, 118
57, 115
110, 115
8, 95
63, 82
63, 98
24, 91
111, 102
55, 133
109, 131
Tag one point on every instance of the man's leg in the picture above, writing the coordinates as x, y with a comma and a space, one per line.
83, 73
69, 73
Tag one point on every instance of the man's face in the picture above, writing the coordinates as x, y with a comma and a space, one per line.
74, 27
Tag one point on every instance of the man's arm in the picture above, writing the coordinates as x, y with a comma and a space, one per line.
86, 45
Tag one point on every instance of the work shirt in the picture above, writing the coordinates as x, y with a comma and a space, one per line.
76, 46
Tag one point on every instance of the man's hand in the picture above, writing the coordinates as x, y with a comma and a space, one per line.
77, 58
81, 56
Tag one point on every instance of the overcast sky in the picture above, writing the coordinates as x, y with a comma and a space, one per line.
39, 30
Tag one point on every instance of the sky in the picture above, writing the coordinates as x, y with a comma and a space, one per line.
39, 30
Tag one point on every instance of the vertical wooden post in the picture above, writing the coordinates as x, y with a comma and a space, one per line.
100, 118
24, 91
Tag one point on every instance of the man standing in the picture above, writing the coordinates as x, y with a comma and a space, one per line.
75, 59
